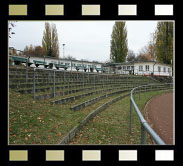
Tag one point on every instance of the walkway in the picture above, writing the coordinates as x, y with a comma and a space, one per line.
160, 115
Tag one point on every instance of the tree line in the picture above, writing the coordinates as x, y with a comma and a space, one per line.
50, 43
159, 48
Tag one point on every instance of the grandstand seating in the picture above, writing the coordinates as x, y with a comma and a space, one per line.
70, 92
70, 85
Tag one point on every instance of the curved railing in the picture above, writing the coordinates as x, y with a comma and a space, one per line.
144, 125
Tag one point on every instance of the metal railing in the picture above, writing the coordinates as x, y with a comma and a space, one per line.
85, 78
144, 125
53, 71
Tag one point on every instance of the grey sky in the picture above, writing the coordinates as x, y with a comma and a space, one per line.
83, 39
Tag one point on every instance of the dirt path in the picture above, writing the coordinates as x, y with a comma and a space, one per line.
160, 115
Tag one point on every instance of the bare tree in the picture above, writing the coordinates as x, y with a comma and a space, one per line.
69, 57
11, 25
131, 56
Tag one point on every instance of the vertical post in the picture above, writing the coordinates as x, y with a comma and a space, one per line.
145, 89
26, 70
83, 78
143, 134
53, 83
97, 78
64, 76
68, 80
139, 92
131, 116
107, 78
34, 85
88, 77
113, 81
94, 80
48, 77
103, 80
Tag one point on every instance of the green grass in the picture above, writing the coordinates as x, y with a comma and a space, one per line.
39, 122
112, 125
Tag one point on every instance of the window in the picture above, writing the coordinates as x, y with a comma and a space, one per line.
73, 64
169, 70
140, 68
147, 67
67, 64
60, 63
159, 69
128, 67
124, 67
132, 67
119, 68
78, 64
164, 69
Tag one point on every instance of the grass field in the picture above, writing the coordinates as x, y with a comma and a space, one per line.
112, 125
40, 122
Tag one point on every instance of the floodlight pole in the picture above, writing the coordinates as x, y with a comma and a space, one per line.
63, 49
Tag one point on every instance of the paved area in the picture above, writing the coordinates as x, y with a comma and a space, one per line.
160, 116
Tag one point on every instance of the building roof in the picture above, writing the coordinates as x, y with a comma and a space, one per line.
62, 59
132, 63
150, 61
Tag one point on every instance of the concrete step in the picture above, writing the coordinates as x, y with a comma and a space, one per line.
96, 99
41, 84
47, 95
76, 97
50, 88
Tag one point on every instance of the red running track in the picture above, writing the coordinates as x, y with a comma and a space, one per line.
160, 116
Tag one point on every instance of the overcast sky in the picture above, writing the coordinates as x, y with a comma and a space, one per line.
88, 40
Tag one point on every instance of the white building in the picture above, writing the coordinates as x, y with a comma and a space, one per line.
136, 67
140, 68
70, 64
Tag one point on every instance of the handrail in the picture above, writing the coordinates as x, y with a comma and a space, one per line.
144, 125
45, 69
54, 79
